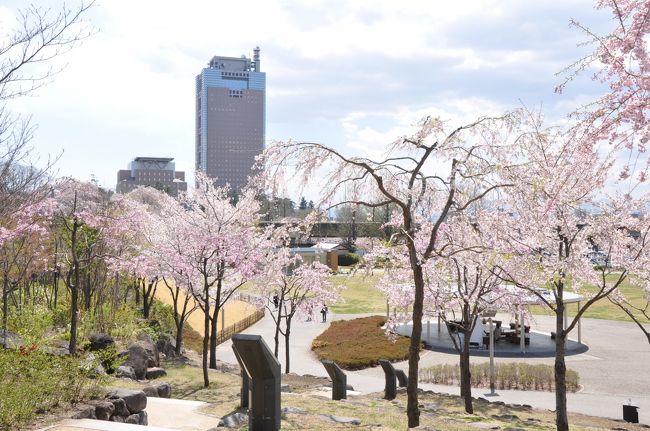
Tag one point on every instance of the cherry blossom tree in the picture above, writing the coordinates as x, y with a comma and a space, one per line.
23, 249
553, 218
299, 287
429, 174
218, 247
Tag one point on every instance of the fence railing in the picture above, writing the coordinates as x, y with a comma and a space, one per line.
227, 332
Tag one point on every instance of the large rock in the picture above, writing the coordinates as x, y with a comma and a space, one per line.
147, 342
136, 401
100, 341
155, 373
137, 358
167, 346
164, 390
126, 372
120, 408
150, 391
85, 412
233, 420
139, 418
104, 410
9, 340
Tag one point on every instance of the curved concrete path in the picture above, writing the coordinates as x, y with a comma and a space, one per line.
614, 369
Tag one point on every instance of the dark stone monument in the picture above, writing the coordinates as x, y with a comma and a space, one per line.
263, 370
390, 391
402, 378
339, 380
245, 387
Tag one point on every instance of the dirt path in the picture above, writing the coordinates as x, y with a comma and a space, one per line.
233, 312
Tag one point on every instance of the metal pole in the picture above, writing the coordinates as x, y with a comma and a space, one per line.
491, 357
522, 333
439, 323
223, 321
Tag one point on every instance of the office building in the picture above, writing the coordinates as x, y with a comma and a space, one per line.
230, 118
157, 172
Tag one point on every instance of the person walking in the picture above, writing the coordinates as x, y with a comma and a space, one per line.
276, 301
324, 311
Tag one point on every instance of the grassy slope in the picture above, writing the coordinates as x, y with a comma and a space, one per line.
441, 412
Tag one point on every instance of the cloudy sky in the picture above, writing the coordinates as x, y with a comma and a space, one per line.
352, 74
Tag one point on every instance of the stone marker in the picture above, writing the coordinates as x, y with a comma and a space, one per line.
243, 393
390, 390
263, 370
339, 380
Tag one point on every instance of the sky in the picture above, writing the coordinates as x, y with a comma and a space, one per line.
349, 74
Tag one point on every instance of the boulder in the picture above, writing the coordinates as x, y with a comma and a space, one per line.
136, 401
118, 419
233, 420
150, 391
139, 418
100, 341
164, 390
85, 412
125, 371
154, 373
104, 410
120, 408
137, 358
147, 342
167, 346
9, 340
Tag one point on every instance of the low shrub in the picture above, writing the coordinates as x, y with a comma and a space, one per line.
511, 375
349, 259
33, 382
359, 343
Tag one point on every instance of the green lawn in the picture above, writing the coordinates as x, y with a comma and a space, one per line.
360, 295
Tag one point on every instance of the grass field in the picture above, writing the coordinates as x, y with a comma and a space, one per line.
361, 296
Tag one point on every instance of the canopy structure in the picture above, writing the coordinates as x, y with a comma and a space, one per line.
516, 340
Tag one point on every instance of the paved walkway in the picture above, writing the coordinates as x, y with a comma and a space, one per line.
614, 369
163, 415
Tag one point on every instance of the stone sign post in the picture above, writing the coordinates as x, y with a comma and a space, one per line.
263, 370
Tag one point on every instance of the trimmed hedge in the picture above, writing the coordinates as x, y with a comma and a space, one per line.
359, 343
511, 375
349, 259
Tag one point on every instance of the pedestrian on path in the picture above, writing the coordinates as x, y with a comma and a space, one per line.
276, 301
323, 311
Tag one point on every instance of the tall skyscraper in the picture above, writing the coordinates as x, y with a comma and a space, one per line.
230, 118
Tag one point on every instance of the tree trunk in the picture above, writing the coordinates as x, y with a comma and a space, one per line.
74, 289
286, 349
179, 336
466, 375
412, 409
206, 336
213, 338
5, 303
87, 291
561, 417
277, 332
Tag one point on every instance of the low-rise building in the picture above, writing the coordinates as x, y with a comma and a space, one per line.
157, 172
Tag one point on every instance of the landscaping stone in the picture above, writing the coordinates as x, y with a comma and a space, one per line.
164, 390
138, 358
118, 419
155, 373
285, 387
99, 341
233, 420
150, 391
481, 425
120, 408
153, 359
343, 420
85, 412
167, 346
136, 401
293, 411
506, 417
125, 371
10, 340
104, 410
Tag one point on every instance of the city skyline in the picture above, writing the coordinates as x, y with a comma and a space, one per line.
352, 76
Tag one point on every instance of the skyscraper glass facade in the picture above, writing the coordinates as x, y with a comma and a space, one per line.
230, 118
